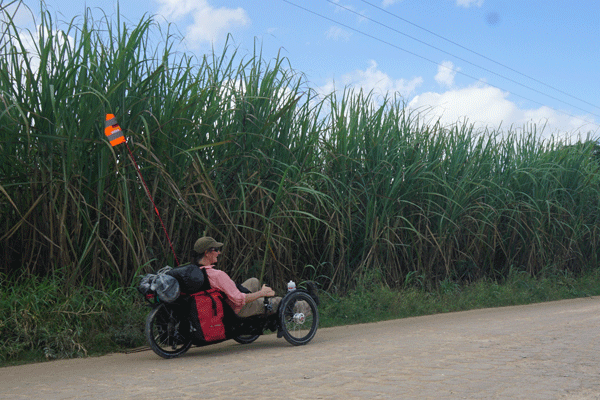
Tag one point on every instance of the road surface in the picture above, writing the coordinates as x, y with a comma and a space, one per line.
542, 351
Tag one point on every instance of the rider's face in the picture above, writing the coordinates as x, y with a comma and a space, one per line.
212, 254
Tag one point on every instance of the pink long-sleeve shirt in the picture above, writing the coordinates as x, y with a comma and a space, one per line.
220, 280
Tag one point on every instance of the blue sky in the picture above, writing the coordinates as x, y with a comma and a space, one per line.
496, 63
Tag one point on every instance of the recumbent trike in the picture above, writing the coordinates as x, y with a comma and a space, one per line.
202, 317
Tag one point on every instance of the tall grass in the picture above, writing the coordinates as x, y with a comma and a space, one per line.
337, 189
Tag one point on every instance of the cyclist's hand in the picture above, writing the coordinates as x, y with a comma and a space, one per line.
267, 291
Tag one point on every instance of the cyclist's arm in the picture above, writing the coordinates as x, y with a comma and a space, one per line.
265, 291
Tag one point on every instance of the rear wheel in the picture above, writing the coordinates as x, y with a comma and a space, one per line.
299, 318
167, 333
245, 339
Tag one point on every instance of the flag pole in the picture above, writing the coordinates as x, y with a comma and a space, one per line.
115, 136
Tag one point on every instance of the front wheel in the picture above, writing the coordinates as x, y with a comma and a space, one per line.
299, 318
167, 334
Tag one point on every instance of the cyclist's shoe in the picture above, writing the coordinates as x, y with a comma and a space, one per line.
273, 305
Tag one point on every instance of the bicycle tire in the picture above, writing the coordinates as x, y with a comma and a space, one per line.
298, 327
166, 333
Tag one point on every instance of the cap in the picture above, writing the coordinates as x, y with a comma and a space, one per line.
205, 243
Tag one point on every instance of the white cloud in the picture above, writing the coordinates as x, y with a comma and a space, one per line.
482, 105
373, 79
446, 73
336, 33
208, 24
487, 106
469, 3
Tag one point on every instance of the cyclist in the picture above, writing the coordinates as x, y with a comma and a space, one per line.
205, 254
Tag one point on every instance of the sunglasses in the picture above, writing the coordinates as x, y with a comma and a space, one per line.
213, 249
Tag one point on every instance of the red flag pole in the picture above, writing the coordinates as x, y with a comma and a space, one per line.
115, 136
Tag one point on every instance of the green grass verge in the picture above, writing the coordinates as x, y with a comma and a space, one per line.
43, 319
378, 302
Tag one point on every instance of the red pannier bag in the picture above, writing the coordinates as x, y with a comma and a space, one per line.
207, 315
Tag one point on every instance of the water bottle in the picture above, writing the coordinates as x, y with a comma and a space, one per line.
291, 286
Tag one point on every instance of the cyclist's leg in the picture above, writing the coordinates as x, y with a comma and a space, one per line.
257, 307
252, 285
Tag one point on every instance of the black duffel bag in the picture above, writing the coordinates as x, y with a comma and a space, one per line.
191, 278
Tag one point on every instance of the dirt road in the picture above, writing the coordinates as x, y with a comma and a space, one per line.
542, 351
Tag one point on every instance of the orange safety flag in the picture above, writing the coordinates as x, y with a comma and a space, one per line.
112, 130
